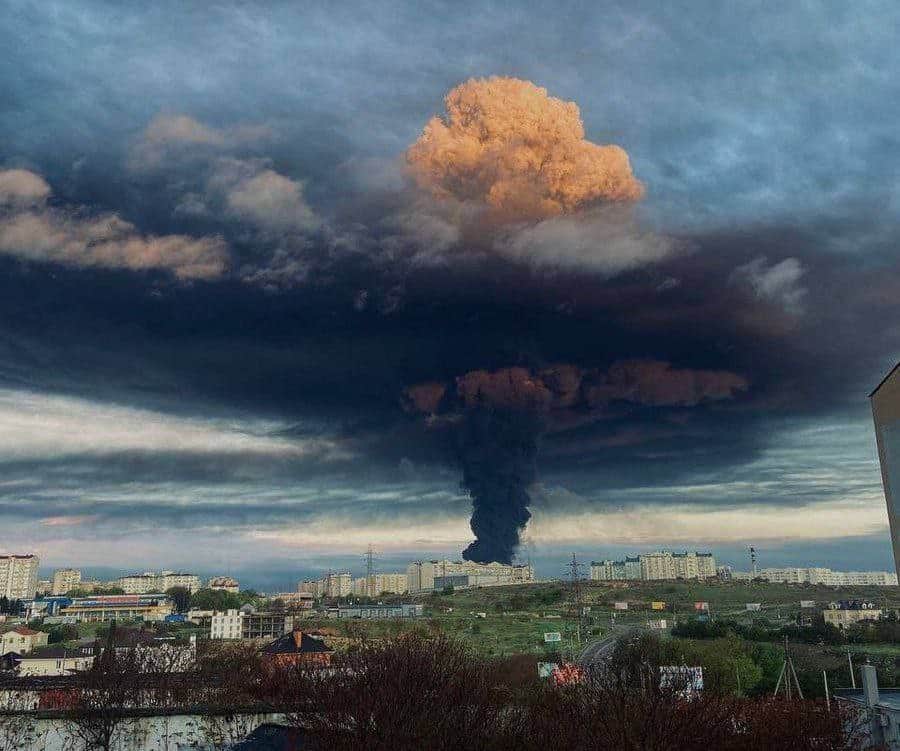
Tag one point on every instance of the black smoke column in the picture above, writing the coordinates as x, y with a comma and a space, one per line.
498, 451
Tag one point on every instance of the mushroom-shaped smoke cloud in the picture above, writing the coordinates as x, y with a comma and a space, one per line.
523, 153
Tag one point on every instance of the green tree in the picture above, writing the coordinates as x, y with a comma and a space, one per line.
181, 597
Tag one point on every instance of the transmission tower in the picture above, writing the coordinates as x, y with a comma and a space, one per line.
575, 568
789, 675
370, 571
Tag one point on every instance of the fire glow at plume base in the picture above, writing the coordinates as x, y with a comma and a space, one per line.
498, 453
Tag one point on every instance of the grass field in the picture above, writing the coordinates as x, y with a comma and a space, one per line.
516, 618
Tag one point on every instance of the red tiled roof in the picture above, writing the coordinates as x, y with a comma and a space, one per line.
25, 631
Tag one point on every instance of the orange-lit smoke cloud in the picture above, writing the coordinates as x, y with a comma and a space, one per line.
563, 387
523, 153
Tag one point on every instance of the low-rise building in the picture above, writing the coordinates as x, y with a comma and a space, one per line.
56, 660
246, 623
294, 600
65, 580
846, 614
119, 607
877, 711
22, 640
223, 583
377, 612
298, 648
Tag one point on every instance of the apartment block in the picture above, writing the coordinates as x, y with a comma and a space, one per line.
421, 575
659, 565
18, 576
378, 583
819, 575
65, 580
149, 582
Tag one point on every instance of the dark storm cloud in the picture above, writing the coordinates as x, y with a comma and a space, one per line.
765, 248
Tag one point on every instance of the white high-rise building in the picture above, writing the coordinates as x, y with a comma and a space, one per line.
378, 583
886, 413
65, 580
818, 575
153, 583
339, 584
18, 576
657, 566
421, 574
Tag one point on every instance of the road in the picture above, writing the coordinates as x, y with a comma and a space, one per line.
599, 651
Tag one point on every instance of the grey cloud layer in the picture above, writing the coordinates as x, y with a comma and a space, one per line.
258, 150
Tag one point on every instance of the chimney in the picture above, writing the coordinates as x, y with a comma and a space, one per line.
298, 639
869, 684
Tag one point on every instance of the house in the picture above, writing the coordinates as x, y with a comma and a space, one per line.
22, 640
298, 648
56, 660
877, 711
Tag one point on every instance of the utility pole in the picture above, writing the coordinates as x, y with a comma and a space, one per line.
370, 572
850, 662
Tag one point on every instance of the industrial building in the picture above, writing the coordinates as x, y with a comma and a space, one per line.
656, 566
421, 575
886, 414
18, 576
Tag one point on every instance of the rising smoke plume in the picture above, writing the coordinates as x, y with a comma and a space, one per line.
508, 144
500, 416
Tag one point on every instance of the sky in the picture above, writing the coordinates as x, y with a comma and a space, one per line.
266, 297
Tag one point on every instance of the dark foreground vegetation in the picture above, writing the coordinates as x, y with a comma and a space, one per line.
417, 692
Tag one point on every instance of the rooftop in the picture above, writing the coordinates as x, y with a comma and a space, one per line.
296, 642
885, 379
887, 697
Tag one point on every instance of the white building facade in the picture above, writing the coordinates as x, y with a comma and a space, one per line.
373, 586
18, 576
421, 574
656, 566
65, 580
150, 582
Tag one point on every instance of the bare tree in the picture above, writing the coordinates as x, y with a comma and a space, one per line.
409, 693
17, 725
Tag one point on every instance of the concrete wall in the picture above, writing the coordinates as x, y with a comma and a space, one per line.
886, 412
161, 733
